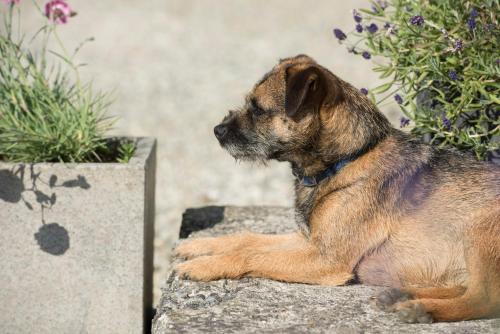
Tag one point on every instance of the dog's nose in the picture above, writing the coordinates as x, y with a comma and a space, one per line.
220, 131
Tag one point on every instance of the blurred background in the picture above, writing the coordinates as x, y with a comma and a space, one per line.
177, 67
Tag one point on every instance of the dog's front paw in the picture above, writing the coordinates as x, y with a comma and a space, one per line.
388, 298
193, 247
210, 268
413, 312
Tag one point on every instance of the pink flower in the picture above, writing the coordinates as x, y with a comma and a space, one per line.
58, 11
11, 2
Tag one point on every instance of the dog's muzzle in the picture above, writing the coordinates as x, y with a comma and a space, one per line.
220, 131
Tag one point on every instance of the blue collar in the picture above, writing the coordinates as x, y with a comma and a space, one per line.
312, 181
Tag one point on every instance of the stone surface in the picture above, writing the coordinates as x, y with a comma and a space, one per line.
76, 245
265, 306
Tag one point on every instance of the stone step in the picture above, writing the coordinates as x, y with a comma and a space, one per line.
260, 305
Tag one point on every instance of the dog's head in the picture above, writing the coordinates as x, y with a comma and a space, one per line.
281, 113
300, 112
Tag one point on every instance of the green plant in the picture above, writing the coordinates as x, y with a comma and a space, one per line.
441, 64
45, 116
126, 151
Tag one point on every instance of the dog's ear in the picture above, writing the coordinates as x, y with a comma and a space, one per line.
305, 90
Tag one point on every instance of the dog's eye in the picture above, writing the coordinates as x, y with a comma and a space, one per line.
257, 112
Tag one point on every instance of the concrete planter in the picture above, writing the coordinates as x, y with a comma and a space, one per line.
76, 245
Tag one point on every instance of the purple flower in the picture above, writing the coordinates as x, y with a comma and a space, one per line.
359, 28
404, 122
357, 16
497, 62
446, 123
58, 11
372, 28
366, 55
417, 20
459, 45
398, 99
11, 2
471, 22
474, 13
364, 91
453, 75
339, 34
382, 3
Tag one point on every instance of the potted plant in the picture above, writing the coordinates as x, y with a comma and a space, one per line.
440, 63
76, 207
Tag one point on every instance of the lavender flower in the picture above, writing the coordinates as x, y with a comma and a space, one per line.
366, 55
453, 75
471, 22
474, 13
417, 20
459, 45
359, 28
383, 4
446, 123
398, 99
357, 16
364, 91
339, 34
372, 28
404, 122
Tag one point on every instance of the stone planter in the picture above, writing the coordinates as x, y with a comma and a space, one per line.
76, 245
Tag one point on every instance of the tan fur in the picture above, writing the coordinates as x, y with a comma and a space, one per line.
401, 214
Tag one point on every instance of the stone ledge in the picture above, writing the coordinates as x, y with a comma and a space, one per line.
260, 305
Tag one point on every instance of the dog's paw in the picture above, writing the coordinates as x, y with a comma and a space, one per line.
413, 312
209, 268
192, 248
386, 300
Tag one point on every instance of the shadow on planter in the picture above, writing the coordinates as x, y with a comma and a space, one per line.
52, 238
200, 218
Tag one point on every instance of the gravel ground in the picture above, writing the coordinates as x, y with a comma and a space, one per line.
177, 66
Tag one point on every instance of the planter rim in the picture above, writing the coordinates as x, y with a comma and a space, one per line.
144, 148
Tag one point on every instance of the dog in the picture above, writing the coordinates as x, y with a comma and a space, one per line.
373, 204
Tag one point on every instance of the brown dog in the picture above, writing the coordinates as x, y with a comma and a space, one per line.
373, 205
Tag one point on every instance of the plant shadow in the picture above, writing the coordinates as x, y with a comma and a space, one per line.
52, 238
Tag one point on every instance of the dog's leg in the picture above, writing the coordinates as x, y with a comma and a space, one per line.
290, 258
226, 244
387, 299
482, 296
436, 292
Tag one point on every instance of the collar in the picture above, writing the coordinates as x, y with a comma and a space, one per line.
312, 181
